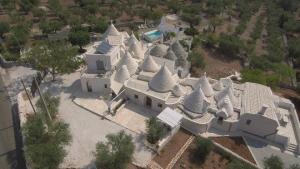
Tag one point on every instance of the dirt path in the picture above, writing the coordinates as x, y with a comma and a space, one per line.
251, 25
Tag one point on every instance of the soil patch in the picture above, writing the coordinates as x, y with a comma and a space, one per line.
171, 148
217, 66
213, 161
237, 145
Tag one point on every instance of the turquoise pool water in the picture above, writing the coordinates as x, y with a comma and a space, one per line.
153, 35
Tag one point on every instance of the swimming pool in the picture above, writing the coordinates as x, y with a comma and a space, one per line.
153, 35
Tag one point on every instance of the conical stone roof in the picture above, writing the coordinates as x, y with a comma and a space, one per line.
196, 101
218, 86
136, 50
129, 62
223, 93
205, 86
132, 39
162, 81
112, 31
177, 90
228, 106
178, 50
157, 51
122, 74
149, 65
170, 55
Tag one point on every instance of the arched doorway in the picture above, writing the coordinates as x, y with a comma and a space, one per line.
148, 102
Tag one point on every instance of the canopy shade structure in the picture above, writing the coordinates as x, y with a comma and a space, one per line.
170, 117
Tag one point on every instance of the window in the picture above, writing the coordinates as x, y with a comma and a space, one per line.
248, 122
159, 105
105, 85
136, 96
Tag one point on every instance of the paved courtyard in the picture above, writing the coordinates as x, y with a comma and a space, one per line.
261, 150
87, 128
133, 117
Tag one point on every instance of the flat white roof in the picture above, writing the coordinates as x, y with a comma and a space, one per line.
170, 117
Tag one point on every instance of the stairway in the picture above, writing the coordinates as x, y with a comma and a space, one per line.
292, 148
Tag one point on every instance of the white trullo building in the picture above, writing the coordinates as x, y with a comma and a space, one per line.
157, 77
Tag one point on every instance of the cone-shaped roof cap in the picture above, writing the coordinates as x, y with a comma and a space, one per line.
218, 86
157, 51
112, 31
129, 62
177, 90
132, 39
178, 50
223, 93
149, 65
205, 86
136, 50
162, 81
228, 106
196, 101
122, 74
170, 55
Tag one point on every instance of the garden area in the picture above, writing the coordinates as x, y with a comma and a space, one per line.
171, 148
203, 154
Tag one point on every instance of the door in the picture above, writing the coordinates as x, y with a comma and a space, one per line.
89, 87
148, 102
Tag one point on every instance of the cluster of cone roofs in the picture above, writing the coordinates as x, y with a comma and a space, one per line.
163, 81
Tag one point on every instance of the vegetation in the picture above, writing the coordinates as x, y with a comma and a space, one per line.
116, 153
52, 105
4, 28
80, 37
196, 59
203, 147
155, 130
273, 162
236, 164
45, 140
230, 45
57, 57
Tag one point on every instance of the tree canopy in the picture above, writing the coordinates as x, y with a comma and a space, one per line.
116, 153
273, 162
155, 130
57, 57
4, 28
203, 147
79, 37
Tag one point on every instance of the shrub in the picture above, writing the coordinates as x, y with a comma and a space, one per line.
191, 31
155, 130
273, 162
230, 45
203, 147
196, 59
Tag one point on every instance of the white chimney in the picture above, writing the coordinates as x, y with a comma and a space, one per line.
263, 109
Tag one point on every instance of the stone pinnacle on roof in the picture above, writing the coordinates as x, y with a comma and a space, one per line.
112, 31
157, 51
136, 50
178, 50
205, 86
196, 101
162, 81
149, 65
122, 74
177, 90
218, 86
223, 93
170, 55
129, 62
132, 39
